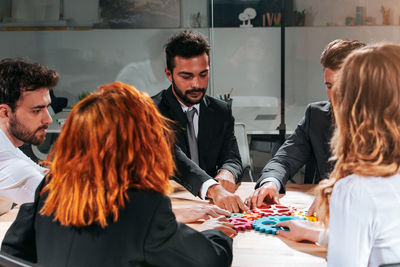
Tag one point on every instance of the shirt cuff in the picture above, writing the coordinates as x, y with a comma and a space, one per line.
271, 179
205, 186
323, 238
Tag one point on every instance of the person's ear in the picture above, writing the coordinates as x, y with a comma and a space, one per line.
5, 111
169, 74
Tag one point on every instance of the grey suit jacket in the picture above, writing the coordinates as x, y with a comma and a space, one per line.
308, 143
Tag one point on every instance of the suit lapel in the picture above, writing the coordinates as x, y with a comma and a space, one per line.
177, 114
175, 108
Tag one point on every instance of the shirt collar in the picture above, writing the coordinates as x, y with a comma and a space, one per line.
186, 108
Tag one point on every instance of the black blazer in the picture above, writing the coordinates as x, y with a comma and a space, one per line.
309, 143
217, 143
146, 234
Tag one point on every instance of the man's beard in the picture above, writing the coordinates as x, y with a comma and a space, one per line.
184, 97
19, 131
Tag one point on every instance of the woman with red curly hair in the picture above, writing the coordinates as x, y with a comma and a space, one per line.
103, 202
361, 200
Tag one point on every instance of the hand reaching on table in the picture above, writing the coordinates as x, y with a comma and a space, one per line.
193, 213
299, 231
225, 199
266, 194
313, 208
219, 223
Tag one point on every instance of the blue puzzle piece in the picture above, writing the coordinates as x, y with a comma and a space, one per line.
236, 215
268, 224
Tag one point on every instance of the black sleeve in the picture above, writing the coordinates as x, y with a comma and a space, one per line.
20, 239
291, 156
230, 156
169, 243
190, 175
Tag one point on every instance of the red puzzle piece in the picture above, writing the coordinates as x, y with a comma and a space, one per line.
273, 210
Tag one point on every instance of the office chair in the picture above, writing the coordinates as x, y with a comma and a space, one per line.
11, 261
244, 150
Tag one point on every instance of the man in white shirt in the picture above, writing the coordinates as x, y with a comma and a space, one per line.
24, 98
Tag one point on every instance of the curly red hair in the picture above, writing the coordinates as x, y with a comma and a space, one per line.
113, 140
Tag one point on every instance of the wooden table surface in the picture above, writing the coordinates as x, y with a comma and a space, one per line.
251, 248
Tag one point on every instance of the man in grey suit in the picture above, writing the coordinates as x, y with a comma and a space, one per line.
310, 140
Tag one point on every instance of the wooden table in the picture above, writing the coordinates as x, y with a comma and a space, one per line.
251, 248
6, 220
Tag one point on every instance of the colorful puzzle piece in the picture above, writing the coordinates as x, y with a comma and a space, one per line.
241, 223
303, 214
273, 210
268, 224
236, 215
251, 215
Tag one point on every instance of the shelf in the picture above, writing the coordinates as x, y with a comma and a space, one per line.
52, 23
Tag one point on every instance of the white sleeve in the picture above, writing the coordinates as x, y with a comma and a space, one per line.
204, 187
18, 180
351, 224
323, 238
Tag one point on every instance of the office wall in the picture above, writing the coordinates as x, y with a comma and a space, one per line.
245, 59
87, 59
334, 12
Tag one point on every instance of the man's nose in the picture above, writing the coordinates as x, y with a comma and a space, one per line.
46, 117
196, 82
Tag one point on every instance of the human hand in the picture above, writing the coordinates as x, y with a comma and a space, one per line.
227, 180
225, 199
313, 208
267, 193
299, 230
193, 213
219, 223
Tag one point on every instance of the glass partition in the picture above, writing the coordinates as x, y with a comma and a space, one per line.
99, 41
89, 44
246, 61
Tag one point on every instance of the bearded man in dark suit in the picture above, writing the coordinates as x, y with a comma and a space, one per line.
207, 156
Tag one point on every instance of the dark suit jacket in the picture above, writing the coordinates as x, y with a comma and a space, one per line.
217, 144
146, 234
309, 142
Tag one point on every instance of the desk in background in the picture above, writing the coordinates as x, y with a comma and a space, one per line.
58, 121
262, 114
253, 249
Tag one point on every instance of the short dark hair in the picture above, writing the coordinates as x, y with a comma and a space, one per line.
185, 44
336, 52
19, 74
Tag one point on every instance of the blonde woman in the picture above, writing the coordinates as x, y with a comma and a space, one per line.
361, 200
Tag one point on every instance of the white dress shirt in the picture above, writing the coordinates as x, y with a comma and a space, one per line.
364, 221
19, 175
204, 187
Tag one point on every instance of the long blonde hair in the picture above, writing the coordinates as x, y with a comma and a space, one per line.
366, 104
113, 140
